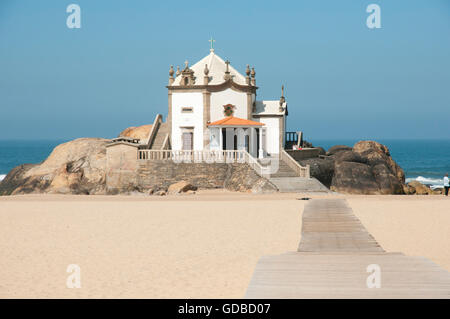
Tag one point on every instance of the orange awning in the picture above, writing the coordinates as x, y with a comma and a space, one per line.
235, 121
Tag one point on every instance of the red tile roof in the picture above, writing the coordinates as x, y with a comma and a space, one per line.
235, 121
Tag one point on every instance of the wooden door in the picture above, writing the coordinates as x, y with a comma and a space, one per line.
187, 138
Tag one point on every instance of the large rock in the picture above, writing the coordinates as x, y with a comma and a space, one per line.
140, 132
420, 189
387, 181
75, 167
376, 153
243, 178
320, 168
349, 156
338, 148
367, 168
354, 178
181, 187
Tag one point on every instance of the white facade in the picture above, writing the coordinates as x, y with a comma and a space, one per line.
186, 121
228, 96
199, 96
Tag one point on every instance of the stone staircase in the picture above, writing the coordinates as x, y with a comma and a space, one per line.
283, 171
160, 137
287, 181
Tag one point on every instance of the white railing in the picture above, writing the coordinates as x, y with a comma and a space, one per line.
193, 156
302, 171
224, 156
253, 162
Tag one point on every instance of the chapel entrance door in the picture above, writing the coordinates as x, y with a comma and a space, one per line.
187, 139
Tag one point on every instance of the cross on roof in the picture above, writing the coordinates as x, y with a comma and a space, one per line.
212, 43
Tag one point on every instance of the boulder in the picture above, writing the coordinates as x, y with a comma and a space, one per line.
409, 190
75, 167
140, 132
16, 178
338, 148
181, 187
420, 189
388, 183
354, 178
242, 178
348, 156
375, 153
320, 168
321, 151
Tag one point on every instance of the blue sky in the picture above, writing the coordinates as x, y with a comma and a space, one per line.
342, 79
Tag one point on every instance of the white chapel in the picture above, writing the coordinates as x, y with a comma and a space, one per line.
212, 106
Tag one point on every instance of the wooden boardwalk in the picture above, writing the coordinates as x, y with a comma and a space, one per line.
332, 259
330, 226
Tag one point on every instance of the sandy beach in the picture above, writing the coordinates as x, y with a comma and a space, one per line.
190, 246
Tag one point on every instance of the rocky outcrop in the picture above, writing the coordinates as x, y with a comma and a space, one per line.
338, 148
75, 167
417, 188
320, 168
365, 168
140, 132
354, 178
181, 187
243, 178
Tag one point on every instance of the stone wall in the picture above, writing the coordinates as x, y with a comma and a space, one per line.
125, 173
303, 154
161, 174
235, 177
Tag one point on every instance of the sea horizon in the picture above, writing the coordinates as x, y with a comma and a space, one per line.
423, 160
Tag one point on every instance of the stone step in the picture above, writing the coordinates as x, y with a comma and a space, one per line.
160, 136
288, 184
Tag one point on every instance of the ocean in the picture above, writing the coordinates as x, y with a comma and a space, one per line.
423, 160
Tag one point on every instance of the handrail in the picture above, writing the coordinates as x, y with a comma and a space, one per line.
224, 156
166, 143
253, 162
302, 171
153, 131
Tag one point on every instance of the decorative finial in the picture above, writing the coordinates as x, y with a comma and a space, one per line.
212, 44
247, 71
253, 73
282, 99
227, 75
186, 64
178, 70
206, 70
171, 78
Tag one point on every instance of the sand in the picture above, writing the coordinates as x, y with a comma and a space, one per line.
179, 247
195, 246
413, 225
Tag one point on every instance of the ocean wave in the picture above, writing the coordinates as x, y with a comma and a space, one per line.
432, 182
2, 176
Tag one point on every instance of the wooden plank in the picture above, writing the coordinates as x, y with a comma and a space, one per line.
302, 275
330, 225
334, 253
